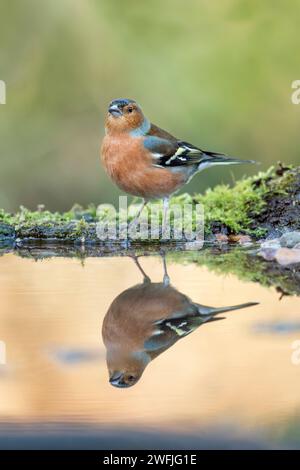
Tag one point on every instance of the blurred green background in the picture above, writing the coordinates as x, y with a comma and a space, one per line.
217, 74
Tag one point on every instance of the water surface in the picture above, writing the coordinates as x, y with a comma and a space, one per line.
231, 380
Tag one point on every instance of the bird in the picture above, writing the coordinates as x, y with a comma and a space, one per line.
145, 320
146, 161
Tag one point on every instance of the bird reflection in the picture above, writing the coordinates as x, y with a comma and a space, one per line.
145, 320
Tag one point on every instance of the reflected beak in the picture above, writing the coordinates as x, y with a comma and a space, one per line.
118, 384
114, 110
117, 380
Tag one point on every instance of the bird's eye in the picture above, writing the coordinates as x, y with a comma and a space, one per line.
130, 109
131, 378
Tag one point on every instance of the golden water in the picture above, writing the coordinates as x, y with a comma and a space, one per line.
236, 372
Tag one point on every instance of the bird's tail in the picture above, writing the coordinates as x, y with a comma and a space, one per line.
213, 158
208, 313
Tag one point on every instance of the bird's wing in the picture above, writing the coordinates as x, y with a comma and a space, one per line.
168, 152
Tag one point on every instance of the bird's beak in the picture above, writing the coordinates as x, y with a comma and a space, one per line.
114, 110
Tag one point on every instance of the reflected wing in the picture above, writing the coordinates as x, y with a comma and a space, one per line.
171, 330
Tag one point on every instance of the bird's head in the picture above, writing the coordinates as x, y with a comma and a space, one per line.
125, 371
125, 115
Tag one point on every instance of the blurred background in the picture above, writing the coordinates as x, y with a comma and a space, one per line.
217, 74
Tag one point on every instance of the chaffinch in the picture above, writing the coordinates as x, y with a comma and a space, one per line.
146, 320
146, 161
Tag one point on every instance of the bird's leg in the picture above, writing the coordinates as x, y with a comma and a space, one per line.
166, 279
165, 214
134, 221
137, 263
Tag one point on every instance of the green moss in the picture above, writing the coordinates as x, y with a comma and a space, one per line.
81, 228
236, 207
233, 209
283, 184
26, 218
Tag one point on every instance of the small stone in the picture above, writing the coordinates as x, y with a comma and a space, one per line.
268, 253
19, 242
221, 238
271, 244
290, 239
286, 256
194, 246
241, 239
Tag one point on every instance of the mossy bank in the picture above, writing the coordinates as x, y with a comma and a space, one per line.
257, 206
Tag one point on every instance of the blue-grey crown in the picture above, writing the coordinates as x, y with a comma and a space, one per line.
121, 102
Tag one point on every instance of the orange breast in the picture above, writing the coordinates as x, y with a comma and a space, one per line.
130, 166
